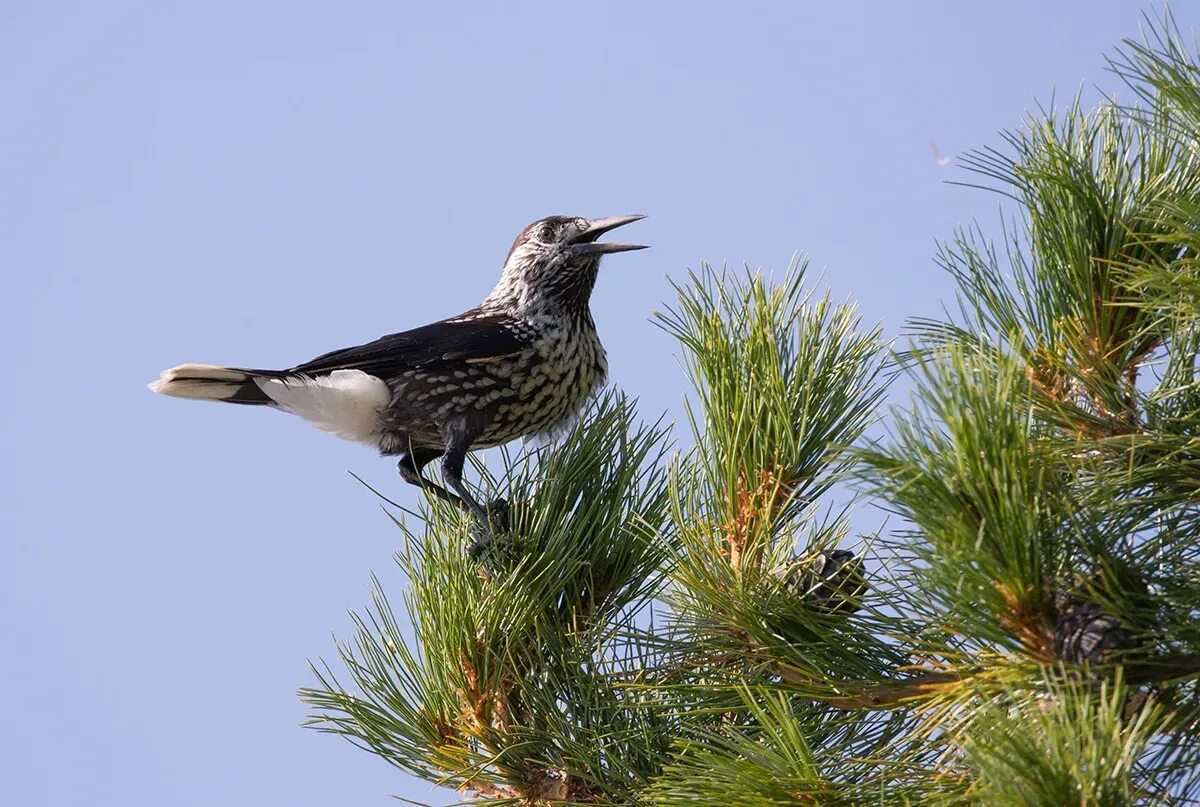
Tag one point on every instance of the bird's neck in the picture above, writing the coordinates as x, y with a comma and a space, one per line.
529, 307
530, 295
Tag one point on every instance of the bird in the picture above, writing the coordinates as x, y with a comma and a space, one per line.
520, 364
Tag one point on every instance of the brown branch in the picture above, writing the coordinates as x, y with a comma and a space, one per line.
1028, 615
896, 693
479, 787
877, 694
1163, 670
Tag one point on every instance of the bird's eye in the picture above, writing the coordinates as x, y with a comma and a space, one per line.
546, 233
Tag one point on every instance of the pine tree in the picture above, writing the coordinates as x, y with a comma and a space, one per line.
693, 620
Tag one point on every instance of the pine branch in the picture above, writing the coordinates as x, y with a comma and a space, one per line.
692, 629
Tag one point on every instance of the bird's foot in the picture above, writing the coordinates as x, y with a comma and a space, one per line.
498, 520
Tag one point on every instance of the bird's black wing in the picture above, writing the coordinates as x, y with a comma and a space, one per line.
469, 337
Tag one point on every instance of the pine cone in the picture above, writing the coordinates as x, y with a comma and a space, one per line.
828, 580
1084, 633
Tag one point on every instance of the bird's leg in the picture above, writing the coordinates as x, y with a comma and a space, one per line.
452, 470
459, 437
410, 466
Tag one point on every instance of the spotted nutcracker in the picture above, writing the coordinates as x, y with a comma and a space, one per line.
519, 364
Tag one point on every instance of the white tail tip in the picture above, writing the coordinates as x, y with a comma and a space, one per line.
205, 382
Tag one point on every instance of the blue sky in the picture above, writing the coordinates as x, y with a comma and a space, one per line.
256, 183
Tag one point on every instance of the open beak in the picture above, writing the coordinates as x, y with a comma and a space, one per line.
585, 242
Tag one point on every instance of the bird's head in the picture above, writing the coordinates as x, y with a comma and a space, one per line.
554, 261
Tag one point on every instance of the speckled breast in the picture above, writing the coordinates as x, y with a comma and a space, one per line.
548, 387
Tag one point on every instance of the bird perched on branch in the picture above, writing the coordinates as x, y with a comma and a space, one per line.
519, 364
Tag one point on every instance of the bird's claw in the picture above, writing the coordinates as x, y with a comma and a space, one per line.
498, 520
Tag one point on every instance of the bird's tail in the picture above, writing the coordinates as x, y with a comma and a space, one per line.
207, 382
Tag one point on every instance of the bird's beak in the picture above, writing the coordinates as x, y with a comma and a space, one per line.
585, 242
